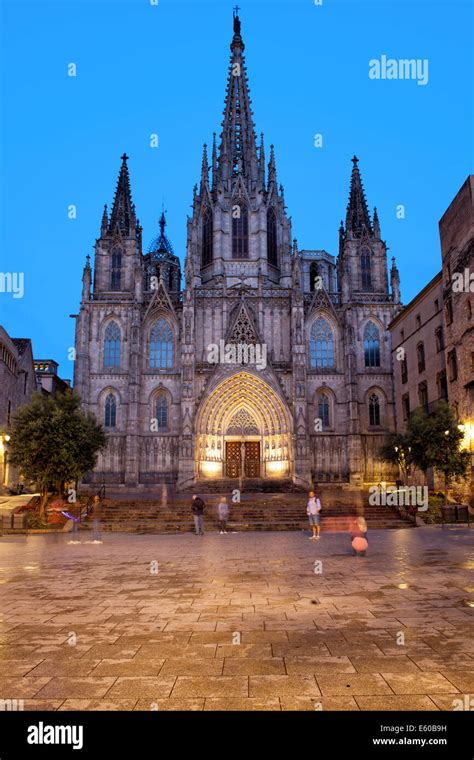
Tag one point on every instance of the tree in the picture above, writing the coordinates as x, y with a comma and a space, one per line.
447, 456
397, 451
54, 442
431, 440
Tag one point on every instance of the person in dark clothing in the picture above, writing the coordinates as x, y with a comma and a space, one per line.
198, 506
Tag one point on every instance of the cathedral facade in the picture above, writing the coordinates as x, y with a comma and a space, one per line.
270, 363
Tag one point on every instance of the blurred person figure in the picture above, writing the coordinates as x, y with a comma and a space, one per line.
198, 506
223, 514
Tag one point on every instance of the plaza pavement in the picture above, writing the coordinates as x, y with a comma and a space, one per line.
240, 621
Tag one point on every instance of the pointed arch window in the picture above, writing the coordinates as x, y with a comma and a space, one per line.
365, 268
321, 345
207, 233
374, 410
161, 345
112, 345
272, 253
240, 232
110, 416
161, 412
371, 345
324, 410
116, 271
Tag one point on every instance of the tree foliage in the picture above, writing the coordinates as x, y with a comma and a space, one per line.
431, 440
53, 441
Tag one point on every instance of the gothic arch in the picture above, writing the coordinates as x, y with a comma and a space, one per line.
101, 402
333, 336
254, 399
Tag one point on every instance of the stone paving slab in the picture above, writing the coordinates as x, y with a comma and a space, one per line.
241, 625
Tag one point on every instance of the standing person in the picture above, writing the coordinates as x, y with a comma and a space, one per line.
97, 514
223, 513
313, 510
198, 508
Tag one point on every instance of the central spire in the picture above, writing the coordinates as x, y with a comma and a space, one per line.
238, 148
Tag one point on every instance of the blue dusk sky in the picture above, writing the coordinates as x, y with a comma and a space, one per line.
146, 68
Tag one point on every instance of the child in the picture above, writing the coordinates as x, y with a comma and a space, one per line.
313, 510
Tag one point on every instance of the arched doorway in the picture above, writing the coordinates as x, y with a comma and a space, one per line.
243, 430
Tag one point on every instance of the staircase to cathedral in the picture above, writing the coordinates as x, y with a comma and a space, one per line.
256, 512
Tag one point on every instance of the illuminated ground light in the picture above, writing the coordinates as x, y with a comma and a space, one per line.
403, 585
277, 468
211, 469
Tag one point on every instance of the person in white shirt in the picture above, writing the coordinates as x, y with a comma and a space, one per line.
313, 510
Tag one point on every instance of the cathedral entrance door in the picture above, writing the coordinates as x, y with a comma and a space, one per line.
234, 452
252, 459
233, 460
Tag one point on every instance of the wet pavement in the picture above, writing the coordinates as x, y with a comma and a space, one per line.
268, 621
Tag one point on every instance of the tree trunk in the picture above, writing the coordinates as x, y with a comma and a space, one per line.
42, 505
445, 490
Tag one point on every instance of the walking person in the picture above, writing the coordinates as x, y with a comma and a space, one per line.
97, 516
198, 506
313, 510
223, 514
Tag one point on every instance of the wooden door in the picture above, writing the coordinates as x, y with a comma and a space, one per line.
252, 459
233, 461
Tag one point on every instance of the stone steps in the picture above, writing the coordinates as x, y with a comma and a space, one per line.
258, 513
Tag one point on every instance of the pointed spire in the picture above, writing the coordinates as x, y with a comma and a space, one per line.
261, 160
204, 166
214, 160
296, 269
395, 282
272, 167
86, 279
376, 224
123, 214
357, 217
105, 222
238, 149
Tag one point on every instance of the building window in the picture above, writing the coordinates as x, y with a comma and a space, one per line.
110, 417
423, 395
436, 305
406, 406
365, 267
112, 346
371, 345
323, 410
321, 345
452, 366
272, 253
240, 232
449, 312
207, 233
402, 335
418, 322
374, 410
162, 412
116, 273
313, 275
404, 371
9, 412
439, 338
420, 355
161, 345
442, 384
468, 309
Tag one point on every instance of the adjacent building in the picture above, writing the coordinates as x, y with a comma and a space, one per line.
17, 384
271, 363
433, 336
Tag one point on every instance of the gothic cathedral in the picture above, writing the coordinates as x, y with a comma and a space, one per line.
272, 364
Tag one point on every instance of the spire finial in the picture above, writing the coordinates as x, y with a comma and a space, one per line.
357, 216
123, 211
